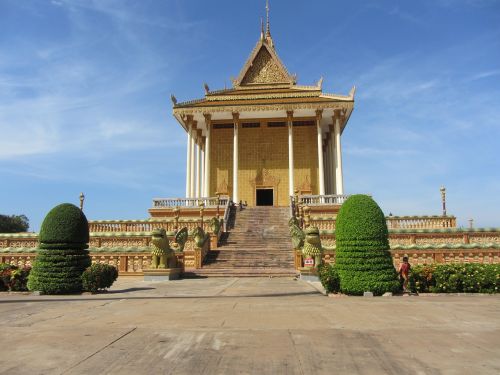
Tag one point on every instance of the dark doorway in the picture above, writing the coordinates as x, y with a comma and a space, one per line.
264, 197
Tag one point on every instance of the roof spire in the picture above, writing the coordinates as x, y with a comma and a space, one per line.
261, 29
268, 26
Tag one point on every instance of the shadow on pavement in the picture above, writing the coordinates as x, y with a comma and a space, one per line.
89, 298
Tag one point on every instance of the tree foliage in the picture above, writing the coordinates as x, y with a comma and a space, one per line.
13, 223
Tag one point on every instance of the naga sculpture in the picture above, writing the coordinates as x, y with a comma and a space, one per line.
199, 236
215, 225
297, 234
180, 240
162, 255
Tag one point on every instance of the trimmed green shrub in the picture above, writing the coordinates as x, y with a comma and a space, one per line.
13, 278
363, 260
65, 226
456, 278
99, 276
329, 277
62, 256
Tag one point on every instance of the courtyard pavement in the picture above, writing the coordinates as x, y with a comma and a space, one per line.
246, 326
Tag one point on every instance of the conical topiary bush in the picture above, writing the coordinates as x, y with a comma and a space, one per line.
362, 254
62, 256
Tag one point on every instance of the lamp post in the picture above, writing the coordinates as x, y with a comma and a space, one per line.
443, 199
82, 199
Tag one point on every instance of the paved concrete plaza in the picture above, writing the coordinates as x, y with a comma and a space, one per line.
246, 326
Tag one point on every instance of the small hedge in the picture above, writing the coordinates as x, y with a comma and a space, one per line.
62, 256
99, 276
455, 278
363, 260
13, 278
329, 277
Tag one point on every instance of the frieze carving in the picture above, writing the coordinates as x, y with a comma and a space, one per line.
264, 70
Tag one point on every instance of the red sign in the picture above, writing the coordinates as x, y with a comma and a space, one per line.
309, 262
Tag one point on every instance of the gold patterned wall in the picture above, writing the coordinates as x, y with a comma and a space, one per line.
305, 155
221, 161
263, 161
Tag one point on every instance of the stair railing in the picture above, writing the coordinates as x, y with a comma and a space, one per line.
227, 211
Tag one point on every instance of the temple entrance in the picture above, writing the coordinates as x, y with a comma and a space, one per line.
265, 197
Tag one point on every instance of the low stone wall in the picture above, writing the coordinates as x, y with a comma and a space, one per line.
419, 255
129, 252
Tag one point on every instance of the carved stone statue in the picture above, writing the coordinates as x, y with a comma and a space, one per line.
162, 255
312, 245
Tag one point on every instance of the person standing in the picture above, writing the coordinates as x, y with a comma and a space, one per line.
404, 272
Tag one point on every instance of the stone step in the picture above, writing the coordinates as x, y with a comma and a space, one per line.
241, 272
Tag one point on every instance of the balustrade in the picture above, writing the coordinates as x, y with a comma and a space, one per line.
211, 202
420, 222
317, 200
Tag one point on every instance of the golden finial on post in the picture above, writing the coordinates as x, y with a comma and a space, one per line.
176, 212
218, 203
307, 216
202, 209
82, 199
443, 199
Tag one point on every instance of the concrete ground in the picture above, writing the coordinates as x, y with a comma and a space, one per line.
246, 326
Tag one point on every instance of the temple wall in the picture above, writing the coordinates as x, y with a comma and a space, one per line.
305, 157
221, 162
263, 161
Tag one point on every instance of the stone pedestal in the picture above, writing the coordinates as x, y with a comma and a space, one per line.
165, 274
309, 274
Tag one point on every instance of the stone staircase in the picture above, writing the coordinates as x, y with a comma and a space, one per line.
258, 244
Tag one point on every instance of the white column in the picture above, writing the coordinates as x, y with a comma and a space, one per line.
188, 162
207, 156
198, 168
321, 171
290, 153
332, 159
327, 166
338, 159
236, 198
193, 163
201, 192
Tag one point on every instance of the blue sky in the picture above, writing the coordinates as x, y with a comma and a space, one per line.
85, 96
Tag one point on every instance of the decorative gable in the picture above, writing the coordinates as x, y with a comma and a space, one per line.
264, 69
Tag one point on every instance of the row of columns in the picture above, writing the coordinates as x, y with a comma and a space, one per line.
332, 154
198, 160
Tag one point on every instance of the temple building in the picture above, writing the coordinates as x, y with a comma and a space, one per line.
265, 137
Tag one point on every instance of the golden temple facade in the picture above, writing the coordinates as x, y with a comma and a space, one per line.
266, 137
